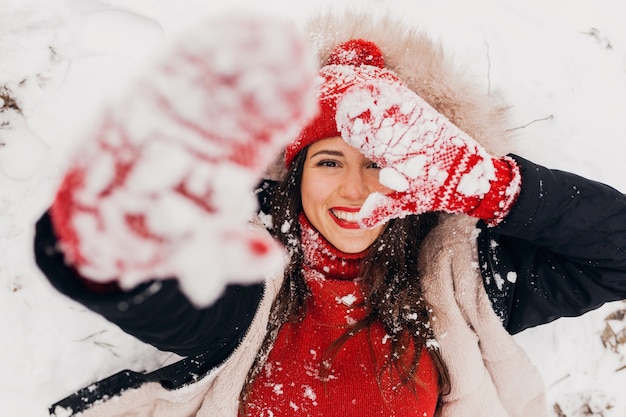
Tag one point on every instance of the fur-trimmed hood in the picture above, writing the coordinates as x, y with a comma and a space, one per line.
423, 66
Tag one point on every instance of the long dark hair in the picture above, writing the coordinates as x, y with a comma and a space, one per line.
394, 295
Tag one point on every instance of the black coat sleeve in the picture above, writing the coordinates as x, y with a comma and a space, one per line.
157, 312
560, 252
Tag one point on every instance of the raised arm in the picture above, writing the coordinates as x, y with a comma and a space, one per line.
552, 243
151, 223
156, 312
561, 250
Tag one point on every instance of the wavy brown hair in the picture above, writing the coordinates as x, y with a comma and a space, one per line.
394, 295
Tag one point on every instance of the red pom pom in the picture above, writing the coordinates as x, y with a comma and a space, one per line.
357, 52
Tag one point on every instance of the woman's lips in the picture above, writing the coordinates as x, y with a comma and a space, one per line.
346, 217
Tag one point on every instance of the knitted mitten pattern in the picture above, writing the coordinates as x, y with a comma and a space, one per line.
163, 185
428, 162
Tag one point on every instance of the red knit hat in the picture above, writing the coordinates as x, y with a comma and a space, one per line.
349, 64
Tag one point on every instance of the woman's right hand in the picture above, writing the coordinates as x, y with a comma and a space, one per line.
162, 187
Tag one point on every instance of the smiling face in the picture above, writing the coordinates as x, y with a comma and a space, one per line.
336, 180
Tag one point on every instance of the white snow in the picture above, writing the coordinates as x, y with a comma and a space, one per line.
394, 179
560, 63
348, 300
23, 152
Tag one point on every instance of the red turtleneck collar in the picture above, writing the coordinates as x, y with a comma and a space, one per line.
322, 257
291, 383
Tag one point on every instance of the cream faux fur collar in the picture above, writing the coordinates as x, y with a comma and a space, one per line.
490, 374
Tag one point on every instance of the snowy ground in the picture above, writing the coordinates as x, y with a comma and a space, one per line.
561, 64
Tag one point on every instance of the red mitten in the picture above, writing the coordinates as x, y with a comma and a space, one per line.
163, 187
429, 162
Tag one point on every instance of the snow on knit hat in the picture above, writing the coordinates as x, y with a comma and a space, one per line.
350, 63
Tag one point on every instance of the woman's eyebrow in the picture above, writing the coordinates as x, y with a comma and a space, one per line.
327, 152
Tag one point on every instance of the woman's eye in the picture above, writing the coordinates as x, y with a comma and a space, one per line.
327, 163
373, 165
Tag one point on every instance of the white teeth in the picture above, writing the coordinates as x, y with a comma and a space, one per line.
347, 216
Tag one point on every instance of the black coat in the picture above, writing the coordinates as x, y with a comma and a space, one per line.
561, 251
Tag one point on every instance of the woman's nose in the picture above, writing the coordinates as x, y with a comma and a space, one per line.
354, 185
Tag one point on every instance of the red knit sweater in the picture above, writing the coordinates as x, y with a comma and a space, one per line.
291, 382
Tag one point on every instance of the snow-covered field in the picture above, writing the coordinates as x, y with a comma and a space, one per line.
561, 64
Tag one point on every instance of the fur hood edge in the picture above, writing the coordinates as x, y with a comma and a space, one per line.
424, 67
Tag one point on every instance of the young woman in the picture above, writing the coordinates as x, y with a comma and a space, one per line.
415, 250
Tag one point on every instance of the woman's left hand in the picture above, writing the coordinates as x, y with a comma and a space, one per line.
428, 161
